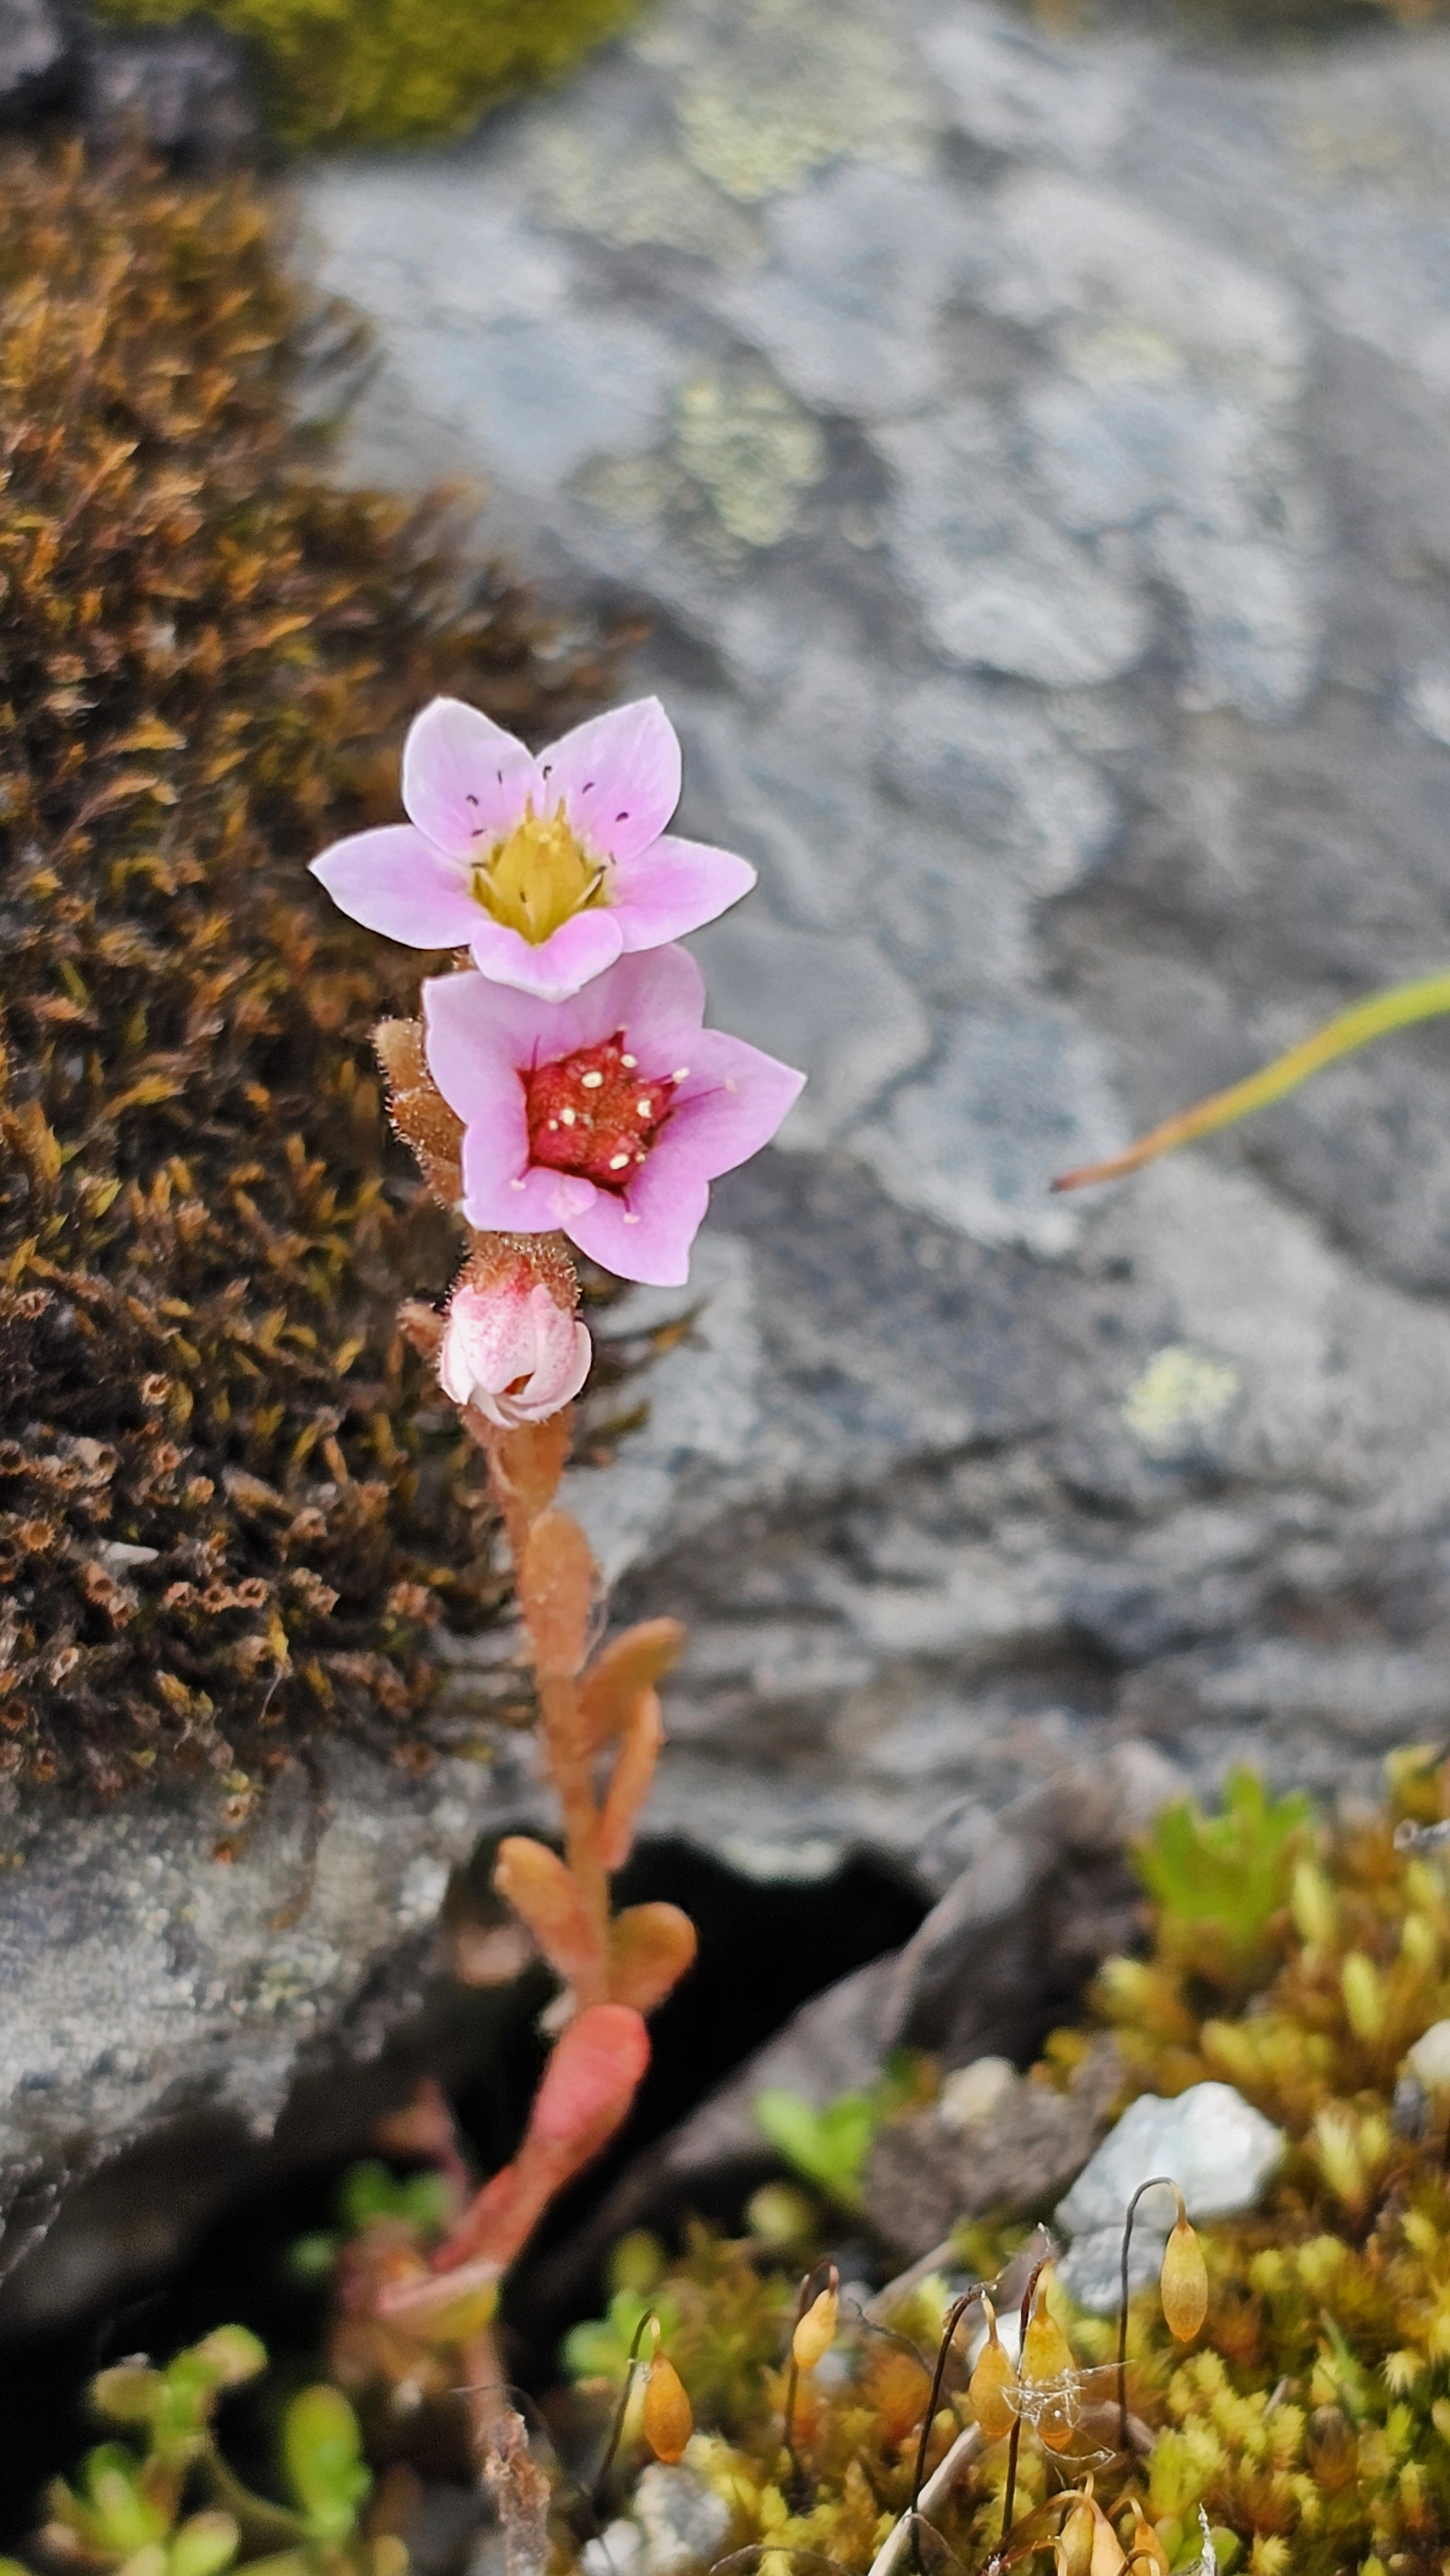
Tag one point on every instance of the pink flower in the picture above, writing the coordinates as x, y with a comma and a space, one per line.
509, 1348
606, 1116
547, 869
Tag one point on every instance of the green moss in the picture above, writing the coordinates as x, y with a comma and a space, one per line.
228, 1507
1307, 2426
395, 71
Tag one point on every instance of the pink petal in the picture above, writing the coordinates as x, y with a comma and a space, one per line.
532, 1200
619, 776
465, 780
472, 1055
491, 1338
394, 881
731, 1105
656, 997
674, 888
579, 950
472, 1013
646, 1234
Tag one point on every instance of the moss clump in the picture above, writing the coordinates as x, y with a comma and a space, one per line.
396, 71
1306, 2427
225, 1507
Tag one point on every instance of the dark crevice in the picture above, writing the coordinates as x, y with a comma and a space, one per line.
764, 1950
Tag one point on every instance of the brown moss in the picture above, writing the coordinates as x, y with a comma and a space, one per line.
226, 1505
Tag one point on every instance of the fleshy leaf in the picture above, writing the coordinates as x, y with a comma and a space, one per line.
588, 2087
322, 2455
630, 1782
650, 1948
637, 1659
545, 1893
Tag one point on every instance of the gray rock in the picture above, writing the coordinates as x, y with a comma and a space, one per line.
1217, 2148
37, 57
928, 2171
683, 2520
1069, 690
1091, 2271
186, 91
163, 2007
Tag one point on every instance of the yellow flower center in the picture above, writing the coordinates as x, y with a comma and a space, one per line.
539, 877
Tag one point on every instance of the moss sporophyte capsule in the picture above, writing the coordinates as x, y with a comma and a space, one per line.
1183, 2281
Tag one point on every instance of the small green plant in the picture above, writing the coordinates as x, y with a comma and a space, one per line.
173, 2507
828, 2146
1219, 1882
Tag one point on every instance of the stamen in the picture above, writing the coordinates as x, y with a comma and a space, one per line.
587, 1115
629, 1062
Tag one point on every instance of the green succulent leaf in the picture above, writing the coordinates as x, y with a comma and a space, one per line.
369, 2191
1219, 1881
204, 2545
323, 2461
827, 2147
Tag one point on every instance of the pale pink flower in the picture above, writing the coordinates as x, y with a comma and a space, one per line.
605, 1117
510, 1349
548, 869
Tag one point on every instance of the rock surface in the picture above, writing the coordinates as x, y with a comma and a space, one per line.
927, 2172
153, 1994
187, 92
1030, 452
1219, 2150
37, 57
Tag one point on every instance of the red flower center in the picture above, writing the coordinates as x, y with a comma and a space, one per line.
594, 1113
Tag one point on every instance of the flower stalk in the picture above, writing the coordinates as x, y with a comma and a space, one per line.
562, 1085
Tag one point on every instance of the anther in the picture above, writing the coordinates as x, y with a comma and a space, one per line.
644, 1108
568, 1116
629, 1062
617, 1162
591, 1081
